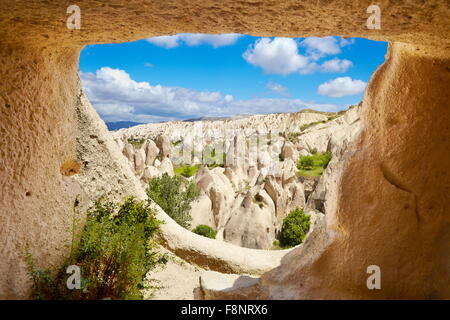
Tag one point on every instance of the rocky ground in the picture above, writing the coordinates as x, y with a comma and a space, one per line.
176, 280
246, 166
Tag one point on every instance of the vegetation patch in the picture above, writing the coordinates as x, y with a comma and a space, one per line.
113, 251
174, 195
204, 230
309, 125
215, 165
295, 227
137, 143
178, 142
187, 170
212, 158
276, 245
313, 165
293, 136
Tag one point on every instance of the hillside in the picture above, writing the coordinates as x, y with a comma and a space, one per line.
246, 168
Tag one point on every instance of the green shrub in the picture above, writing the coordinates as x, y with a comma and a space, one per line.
137, 143
315, 164
114, 251
178, 142
295, 227
174, 195
204, 230
212, 157
293, 136
325, 158
186, 171
276, 245
309, 125
305, 163
214, 165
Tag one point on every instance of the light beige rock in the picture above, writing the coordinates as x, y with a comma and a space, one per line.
139, 161
288, 172
220, 190
166, 167
295, 197
149, 173
201, 211
275, 191
252, 225
151, 152
165, 147
213, 284
128, 151
287, 151
303, 152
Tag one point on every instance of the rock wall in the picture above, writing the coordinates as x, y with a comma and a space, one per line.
37, 158
391, 207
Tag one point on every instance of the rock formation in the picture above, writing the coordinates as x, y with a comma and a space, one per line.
247, 200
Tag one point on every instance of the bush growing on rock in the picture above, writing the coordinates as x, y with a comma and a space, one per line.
174, 195
293, 136
186, 171
315, 164
137, 143
204, 230
306, 163
295, 227
114, 251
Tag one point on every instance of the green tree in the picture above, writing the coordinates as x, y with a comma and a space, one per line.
204, 230
325, 158
306, 162
114, 251
174, 195
295, 227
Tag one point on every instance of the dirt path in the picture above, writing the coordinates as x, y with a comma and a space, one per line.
174, 281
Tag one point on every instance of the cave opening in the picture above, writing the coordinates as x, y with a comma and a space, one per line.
252, 122
397, 221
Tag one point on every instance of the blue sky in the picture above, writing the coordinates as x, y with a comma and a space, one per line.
194, 75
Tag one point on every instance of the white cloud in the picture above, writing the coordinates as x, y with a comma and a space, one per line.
116, 96
228, 98
148, 65
167, 42
276, 56
215, 40
340, 87
317, 48
278, 88
281, 55
321, 47
195, 39
336, 65
346, 42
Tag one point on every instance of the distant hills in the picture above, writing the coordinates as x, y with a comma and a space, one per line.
112, 126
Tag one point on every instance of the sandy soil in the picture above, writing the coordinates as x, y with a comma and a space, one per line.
174, 281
